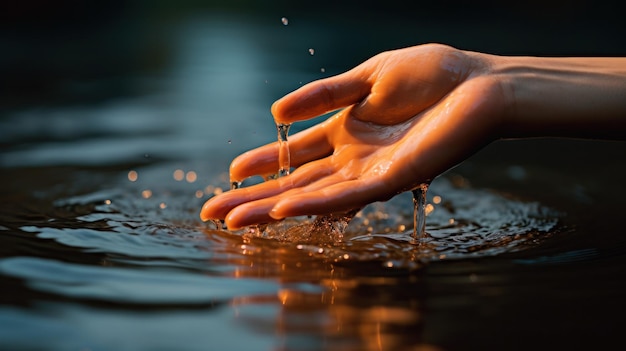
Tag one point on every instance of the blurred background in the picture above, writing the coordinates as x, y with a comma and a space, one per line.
72, 51
208, 71
102, 101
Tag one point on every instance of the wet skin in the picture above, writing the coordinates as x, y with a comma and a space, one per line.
408, 115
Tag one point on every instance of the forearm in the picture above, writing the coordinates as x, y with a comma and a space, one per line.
562, 97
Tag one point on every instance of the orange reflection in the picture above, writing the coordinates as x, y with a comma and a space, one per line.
329, 297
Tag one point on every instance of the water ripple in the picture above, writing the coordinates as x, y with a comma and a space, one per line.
130, 285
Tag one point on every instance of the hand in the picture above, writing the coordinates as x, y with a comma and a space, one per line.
409, 115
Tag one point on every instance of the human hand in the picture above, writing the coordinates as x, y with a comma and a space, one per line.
411, 114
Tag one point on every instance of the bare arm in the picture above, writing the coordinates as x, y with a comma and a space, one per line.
411, 114
563, 97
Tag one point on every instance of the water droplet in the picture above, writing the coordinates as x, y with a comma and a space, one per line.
199, 194
429, 209
179, 174
191, 177
146, 194
312, 51
107, 202
285, 21
230, 141
162, 205
270, 177
132, 176
322, 69
218, 224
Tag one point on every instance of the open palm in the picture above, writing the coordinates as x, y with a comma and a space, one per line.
409, 115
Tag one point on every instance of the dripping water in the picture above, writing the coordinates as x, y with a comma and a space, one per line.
284, 163
419, 212
219, 224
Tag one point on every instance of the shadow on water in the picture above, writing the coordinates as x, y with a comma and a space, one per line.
110, 145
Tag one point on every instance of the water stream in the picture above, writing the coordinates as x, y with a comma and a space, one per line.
419, 212
284, 158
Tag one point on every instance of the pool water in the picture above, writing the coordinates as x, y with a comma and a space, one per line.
102, 248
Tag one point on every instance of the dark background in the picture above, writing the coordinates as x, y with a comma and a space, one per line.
100, 84
52, 49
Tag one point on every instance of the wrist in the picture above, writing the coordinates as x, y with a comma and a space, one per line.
562, 97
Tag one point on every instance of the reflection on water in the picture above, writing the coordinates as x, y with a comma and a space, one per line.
466, 223
102, 180
334, 288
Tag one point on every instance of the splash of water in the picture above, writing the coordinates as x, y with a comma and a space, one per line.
419, 212
323, 229
467, 223
284, 159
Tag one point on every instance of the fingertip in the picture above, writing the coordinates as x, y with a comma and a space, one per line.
278, 111
248, 214
218, 207
280, 210
292, 107
276, 214
237, 168
233, 220
207, 212
232, 224
260, 161
204, 218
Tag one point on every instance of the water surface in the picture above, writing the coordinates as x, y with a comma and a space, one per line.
101, 246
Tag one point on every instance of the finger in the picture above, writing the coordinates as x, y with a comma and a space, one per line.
257, 212
219, 206
250, 213
339, 197
306, 146
324, 95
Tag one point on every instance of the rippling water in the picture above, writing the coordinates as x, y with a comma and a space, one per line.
83, 259
101, 246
